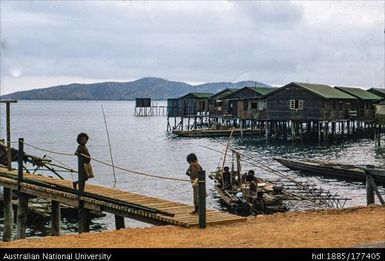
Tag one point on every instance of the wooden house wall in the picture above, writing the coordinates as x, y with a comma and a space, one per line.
143, 102
252, 109
365, 110
314, 107
195, 106
278, 104
216, 109
230, 107
174, 108
380, 113
334, 109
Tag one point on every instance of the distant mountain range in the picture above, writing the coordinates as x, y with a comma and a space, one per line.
150, 87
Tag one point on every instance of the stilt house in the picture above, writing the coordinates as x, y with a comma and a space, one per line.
195, 103
365, 102
308, 102
217, 101
237, 103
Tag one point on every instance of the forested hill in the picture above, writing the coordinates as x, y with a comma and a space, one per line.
155, 88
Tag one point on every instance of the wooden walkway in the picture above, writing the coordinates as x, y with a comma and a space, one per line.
182, 216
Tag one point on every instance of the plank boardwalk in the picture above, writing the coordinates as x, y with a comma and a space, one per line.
69, 196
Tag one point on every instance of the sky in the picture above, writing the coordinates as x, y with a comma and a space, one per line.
48, 43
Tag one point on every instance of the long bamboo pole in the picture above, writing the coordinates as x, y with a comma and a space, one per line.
225, 154
109, 145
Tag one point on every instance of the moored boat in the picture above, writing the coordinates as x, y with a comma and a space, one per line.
239, 198
211, 132
332, 170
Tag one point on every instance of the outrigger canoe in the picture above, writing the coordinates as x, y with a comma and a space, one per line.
330, 169
240, 201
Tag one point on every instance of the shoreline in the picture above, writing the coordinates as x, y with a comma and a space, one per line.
331, 228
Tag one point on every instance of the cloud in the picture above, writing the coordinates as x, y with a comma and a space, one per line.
274, 42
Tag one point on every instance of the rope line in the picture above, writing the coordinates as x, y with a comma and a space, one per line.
64, 166
133, 171
108, 164
50, 151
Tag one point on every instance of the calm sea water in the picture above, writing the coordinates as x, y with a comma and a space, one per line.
142, 144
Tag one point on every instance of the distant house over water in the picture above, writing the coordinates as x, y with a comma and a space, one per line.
365, 102
235, 105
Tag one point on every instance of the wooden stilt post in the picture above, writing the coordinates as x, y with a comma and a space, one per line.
241, 129
9, 152
119, 222
20, 156
348, 128
369, 191
7, 193
82, 212
168, 123
202, 199
8, 215
293, 129
55, 218
301, 130
22, 208
326, 134
319, 131
342, 129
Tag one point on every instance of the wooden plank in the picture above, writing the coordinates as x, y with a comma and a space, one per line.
182, 211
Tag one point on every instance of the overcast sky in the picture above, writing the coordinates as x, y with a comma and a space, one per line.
47, 43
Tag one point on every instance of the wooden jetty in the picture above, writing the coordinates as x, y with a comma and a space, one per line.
98, 198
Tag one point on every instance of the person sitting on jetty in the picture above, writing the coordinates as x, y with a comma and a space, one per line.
82, 139
226, 178
193, 172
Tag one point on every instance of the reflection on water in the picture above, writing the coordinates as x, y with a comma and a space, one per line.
142, 144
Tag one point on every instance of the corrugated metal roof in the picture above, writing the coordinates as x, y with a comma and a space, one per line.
325, 91
262, 90
381, 90
359, 93
229, 90
199, 94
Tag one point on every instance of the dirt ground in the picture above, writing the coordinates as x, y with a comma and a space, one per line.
309, 229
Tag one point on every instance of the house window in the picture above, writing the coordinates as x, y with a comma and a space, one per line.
296, 104
261, 105
245, 105
253, 105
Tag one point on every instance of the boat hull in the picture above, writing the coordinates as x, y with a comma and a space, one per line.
211, 133
331, 170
